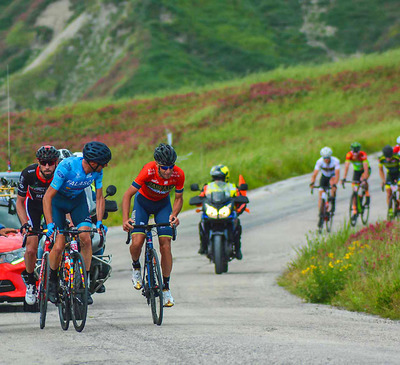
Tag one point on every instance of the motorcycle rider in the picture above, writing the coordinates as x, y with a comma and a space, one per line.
33, 183
220, 182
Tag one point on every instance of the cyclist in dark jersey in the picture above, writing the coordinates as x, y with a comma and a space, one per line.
151, 189
391, 162
32, 185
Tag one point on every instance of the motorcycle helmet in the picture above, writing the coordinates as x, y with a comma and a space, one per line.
387, 151
220, 172
165, 155
97, 152
64, 153
47, 153
326, 152
355, 147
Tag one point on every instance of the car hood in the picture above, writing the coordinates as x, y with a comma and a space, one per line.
11, 242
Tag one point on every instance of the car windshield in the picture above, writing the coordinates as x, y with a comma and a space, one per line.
8, 220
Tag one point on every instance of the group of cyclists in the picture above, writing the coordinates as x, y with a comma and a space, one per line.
329, 166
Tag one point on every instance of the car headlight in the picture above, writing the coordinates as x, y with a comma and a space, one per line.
224, 212
12, 257
211, 211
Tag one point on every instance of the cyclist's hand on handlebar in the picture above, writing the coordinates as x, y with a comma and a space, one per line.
127, 225
51, 227
383, 186
174, 220
101, 228
25, 228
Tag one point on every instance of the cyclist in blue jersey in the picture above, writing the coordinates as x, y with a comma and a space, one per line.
66, 195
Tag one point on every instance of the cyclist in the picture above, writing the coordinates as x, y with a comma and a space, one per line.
391, 162
220, 177
33, 183
396, 149
361, 167
330, 174
66, 195
151, 189
5, 231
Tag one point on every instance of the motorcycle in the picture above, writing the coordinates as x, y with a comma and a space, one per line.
219, 226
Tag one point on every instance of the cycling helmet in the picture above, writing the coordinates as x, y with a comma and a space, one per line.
78, 154
165, 155
387, 151
97, 152
64, 153
220, 172
398, 140
355, 147
47, 153
326, 152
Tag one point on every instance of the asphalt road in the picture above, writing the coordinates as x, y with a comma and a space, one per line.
239, 317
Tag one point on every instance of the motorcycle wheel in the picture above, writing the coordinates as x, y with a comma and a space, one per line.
218, 251
94, 275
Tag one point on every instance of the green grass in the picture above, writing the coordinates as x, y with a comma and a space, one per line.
267, 127
358, 271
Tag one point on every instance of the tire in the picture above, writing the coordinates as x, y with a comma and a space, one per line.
353, 220
364, 210
94, 276
156, 289
218, 253
79, 292
322, 212
43, 288
329, 221
64, 310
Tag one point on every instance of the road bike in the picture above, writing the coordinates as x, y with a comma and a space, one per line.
72, 301
394, 202
325, 211
358, 202
152, 276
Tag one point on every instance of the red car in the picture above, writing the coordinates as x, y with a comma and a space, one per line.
12, 287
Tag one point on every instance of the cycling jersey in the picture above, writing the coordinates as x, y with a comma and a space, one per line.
31, 184
154, 187
328, 169
357, 160
70, 179
392, 166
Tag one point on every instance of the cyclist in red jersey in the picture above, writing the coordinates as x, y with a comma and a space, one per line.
396, 149
151, 189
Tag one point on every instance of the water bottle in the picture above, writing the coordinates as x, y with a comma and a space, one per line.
74, 245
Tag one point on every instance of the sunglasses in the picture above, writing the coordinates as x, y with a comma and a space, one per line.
167, 167
50, 163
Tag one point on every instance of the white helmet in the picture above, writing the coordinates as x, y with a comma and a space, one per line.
78, 154
326, 152
64, 153
398, 140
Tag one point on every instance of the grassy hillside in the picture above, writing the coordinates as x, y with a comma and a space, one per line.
126, 48
267, 126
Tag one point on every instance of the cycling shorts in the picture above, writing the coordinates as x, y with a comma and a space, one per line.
357, 174
77, 207
392, 178
324, 181
34, 211
143, 207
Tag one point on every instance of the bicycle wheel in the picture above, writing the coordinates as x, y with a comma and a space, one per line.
63, 300
79, 292
329, 218
364, 210
156, 293
43, 288
322, 212
353, 217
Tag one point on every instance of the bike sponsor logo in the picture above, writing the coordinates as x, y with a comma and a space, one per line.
159, 189
60, 174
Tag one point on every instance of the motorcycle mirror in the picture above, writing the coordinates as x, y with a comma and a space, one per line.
194, 187
243, 187
111, 190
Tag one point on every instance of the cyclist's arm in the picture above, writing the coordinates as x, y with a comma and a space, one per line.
47, 199
337, 176
178, 203
382, 174
314, 176
21, 212
100, 204
346, 169
126, 206
366, 170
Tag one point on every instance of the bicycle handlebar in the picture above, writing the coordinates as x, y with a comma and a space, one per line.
149, 227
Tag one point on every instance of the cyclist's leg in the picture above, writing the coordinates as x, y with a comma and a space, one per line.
140, 215
323, 182
80, 216
34, 212
59, 210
